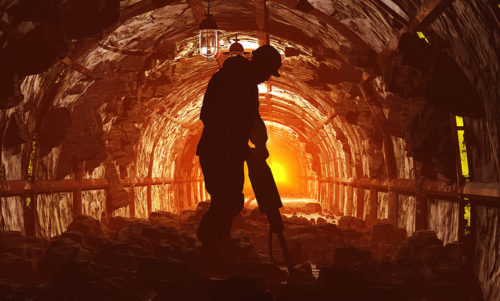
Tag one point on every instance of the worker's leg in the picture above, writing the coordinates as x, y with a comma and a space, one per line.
224, 182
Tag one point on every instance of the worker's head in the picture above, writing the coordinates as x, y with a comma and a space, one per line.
267, 61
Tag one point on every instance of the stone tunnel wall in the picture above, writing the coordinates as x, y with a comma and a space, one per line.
473, 40
105, 106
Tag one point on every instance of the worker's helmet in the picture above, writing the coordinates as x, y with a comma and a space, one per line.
268, 56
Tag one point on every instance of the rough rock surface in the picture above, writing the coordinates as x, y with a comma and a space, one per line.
131, 259
142, 82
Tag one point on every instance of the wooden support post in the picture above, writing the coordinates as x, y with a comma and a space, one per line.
338, 206
342, 199
180, 197
30, 200
462, 238
393, 196
189, 195
78, 170
473, 232
421, 217
331, 196
327, 199
360, 202
30, 213
150, 167
393, 205
261, 16
131, 201
131, 192
373, 205
196, 199
350, 193
320, 190
333, 200
200, 192
465, 239
163, 201
149, 198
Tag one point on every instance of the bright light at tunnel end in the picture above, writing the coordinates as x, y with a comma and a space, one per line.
279, 172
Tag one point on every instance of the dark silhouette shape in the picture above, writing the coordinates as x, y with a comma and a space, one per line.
242, 289
269, 200
230, 115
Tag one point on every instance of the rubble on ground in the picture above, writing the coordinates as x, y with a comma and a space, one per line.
160, 259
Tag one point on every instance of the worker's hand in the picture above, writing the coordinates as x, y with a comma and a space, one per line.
260, 152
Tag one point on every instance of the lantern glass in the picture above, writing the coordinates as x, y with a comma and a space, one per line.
209, 42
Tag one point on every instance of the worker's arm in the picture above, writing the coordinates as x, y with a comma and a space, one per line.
258, 136
209, 108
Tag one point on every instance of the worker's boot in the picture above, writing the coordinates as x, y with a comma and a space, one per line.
213, 232
213, 263
214, 227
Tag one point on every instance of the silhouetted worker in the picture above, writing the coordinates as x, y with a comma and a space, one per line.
230, 115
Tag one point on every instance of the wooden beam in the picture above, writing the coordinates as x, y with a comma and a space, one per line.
261, 17
10, 188
175, 120
342, 29
427, 13
494, 10
133, 52
391, 12
78, 67
323, 123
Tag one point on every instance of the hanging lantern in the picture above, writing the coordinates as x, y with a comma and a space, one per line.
209, 40
236, 48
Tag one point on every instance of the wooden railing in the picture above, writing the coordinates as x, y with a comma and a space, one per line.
479, 193
475, 193
19, 187
29, 189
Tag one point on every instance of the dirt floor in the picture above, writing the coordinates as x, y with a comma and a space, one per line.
160, 259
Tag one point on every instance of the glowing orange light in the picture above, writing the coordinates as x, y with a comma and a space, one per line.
279, 171
285, 160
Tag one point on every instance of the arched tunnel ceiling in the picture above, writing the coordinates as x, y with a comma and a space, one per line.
146, 79
347, 102
163, 44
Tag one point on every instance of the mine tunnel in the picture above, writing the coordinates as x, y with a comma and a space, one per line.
384, 141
